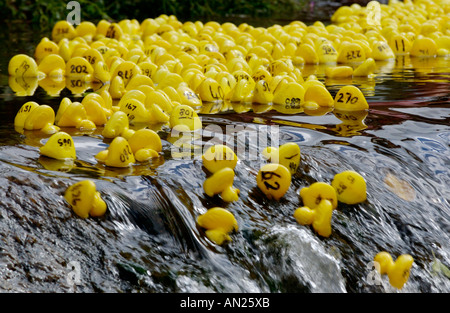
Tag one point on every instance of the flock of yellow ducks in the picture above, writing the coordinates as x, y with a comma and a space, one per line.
164, 71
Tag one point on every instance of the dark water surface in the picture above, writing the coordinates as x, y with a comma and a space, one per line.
148, 241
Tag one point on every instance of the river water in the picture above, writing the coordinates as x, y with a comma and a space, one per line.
148, 240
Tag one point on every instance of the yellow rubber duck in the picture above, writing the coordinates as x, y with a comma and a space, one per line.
117, 87
135, 110
188, 96
218, 223
274, 180
22, 65
44, 48
339, 71
221, 182
145, 144
350, 98
319, 217
23, 113
41, 117
118, 154
59, 146
73, 114
95, 108
117, 125
61, 30
262, 93
85, 200
381, 51
398, 271
424, 47
79, 67
289, 94
350, 52
365, 69
53, 66
350, 187
287, 154
101, 72
218, 157
316, 192
184, 117
317, 95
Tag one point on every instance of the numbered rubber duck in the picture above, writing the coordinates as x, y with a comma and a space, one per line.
79, 68
381, 51
350, 187
59, 146
262, 93
44, 48
23, 113
221, 182
218, 157
316, 192
183, 117
145, 144
287, 154
85, 200
350, 52
118, 154
290, 94
327, 53
350, 98
218, 223
398, 271
22, 65
273, 180
61, 30
319, 217
210, 90
117, 125
135, 110
33, 116
188, 96
423, 47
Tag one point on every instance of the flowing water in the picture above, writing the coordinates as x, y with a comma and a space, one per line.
148, 240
